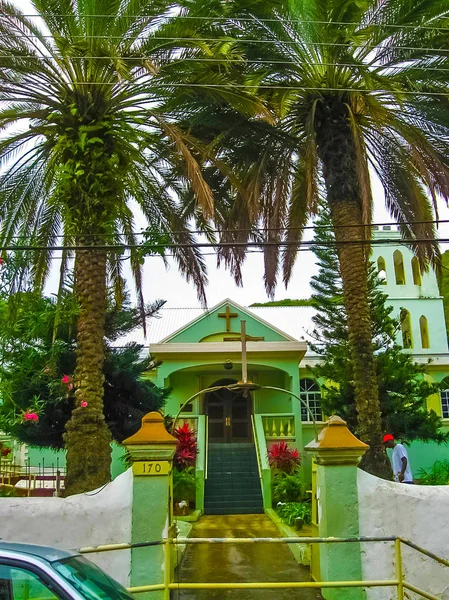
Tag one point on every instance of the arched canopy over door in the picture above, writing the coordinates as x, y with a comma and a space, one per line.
229, 414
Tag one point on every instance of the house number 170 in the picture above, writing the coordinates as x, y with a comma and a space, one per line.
151, 467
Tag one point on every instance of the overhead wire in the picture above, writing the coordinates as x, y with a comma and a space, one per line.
268, 229
176, 17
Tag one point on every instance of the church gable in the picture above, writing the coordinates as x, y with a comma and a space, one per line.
222, 323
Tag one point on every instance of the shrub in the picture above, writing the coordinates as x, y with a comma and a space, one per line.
438, 474
284, 459
290, 511
286, 487
187, 449
184, 485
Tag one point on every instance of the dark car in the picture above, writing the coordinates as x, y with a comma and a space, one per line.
29, 572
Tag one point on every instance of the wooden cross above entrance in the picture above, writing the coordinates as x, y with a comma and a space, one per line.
228, 315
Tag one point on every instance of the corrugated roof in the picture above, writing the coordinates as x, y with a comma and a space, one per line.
293, 320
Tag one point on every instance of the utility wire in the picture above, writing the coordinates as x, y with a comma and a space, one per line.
237, 19
266, 229
232, 86
241, 61
276, 244
156, 37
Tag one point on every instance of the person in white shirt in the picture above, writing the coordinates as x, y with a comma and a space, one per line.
399, 460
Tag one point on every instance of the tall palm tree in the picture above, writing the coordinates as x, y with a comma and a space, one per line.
83, 143
355, 87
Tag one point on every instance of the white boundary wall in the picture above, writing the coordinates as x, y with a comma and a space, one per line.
99, 517
415, 512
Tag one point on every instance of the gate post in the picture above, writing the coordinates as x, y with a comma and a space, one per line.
152, 449
337, 453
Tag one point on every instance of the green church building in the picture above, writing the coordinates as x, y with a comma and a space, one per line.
199, 356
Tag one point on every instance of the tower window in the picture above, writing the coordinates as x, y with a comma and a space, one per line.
382, 270
399, 271
424, 328
416, 271
445, 399
406, 328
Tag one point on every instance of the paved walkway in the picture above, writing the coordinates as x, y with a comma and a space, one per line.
245, 562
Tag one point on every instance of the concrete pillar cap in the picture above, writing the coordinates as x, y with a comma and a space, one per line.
336, 441
152, 432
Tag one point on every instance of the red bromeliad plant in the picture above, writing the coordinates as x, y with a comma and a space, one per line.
187, 450
282, 458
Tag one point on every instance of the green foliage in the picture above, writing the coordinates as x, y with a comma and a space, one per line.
33, 366
286, 302
438, 474
286, 487
403, 390
7, 492
290, 511
184, 485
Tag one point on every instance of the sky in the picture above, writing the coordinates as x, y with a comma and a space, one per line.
169, 285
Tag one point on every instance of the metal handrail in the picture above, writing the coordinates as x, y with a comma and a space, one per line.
206, 447
166, 586
256, 444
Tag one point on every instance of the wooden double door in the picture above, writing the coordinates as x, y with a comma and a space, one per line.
229, 414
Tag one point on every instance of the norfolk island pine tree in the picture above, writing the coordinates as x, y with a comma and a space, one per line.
403, 389
352, 86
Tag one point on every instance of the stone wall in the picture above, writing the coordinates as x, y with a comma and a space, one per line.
417, 513
100, 517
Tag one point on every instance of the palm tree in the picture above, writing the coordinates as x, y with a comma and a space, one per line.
83, 143
355, 87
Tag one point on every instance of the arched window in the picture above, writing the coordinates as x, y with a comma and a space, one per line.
445, 399
424, 328
382, 270
416, 271
399, 268
310, 393
406, 328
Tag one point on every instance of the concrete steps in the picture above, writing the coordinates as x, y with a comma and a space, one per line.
233, 484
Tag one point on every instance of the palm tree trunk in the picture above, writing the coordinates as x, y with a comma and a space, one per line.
338, 156
87, 436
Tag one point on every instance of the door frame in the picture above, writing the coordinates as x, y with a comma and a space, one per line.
227, 418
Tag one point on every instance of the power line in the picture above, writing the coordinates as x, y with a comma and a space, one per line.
242, 61
155, 37
266, 229
243, 86
275, 244
237, 19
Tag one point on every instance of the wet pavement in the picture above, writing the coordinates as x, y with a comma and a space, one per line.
235, 563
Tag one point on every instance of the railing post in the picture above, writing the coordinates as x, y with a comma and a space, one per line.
337, 453
152, 449
399, 574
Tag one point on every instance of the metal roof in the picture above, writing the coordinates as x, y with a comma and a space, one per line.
296, 321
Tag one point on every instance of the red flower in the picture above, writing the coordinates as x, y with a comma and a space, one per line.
66, 379
30, 416
282, 458
5, 451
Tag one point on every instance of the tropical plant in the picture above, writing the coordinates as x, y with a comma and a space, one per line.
184, 485
187, 448
438, 474
289, 512
354, 87
35, 369
286, 487
282, 458
82, 143
402, 385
